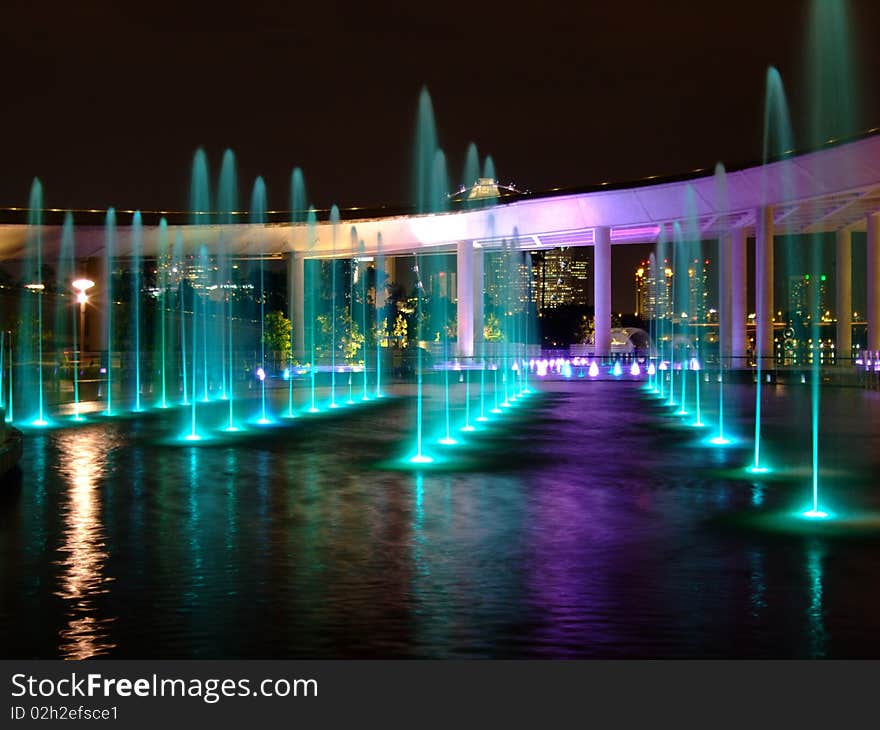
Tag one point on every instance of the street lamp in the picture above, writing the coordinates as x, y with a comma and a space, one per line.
80, 286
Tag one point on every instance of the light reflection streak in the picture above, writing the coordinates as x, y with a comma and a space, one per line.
815, 614
83, 579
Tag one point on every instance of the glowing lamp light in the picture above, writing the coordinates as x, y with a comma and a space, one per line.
815, 514
594, 369
421, 459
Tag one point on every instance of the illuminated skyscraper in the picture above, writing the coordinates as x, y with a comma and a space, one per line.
698, 290
801, 293
653, 291
562, 277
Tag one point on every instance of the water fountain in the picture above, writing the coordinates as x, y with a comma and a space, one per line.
299, 212
258, 217
332, 315
109, 319
137, 245
162, 265
723, 256
311, 275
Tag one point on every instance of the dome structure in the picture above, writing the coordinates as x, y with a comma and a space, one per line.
629, 340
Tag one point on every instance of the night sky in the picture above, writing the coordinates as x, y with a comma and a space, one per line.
106, 101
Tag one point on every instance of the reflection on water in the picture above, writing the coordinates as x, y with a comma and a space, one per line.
815, 618
758, 586
82, 577
589, 525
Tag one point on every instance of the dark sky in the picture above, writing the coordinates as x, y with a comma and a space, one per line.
106, 101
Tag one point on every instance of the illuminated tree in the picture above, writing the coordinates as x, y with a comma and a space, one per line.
276, 336
492, 329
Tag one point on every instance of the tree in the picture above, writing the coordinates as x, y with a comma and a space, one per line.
276, 336
380, 333
492, 329
586, 329
349, 338
399, 331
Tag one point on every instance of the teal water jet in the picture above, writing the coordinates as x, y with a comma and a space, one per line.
181, 311
467, 401
334, 221
258, 217
227, 204
109, 252
381, 328
311, 270
137, 245
162, 265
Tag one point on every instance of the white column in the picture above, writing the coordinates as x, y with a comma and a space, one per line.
465, 291
602, 290
843, 300
764, 283
738, 297
479, 293
873, 299
391, 269
296, 292
100, 296
725, 333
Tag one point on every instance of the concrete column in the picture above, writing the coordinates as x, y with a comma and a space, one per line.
725, 331
381, 290
465, 293
843, 300
764, 283
738, 297
873, 291
100, 298
296, 291
479, 293
95, 333
390, 269
602, 290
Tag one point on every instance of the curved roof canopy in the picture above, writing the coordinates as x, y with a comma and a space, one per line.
825, 190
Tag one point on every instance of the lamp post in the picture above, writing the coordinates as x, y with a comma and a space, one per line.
80, 286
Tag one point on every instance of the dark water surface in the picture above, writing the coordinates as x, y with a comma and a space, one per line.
589, 522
